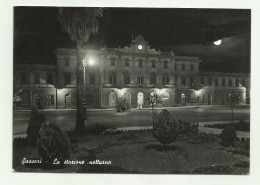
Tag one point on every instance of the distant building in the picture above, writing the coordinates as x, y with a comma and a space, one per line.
132, 73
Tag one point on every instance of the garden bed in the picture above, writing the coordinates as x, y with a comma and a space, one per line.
240, 126
140, 153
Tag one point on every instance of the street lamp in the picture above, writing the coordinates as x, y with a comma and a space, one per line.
84, 63
198, 92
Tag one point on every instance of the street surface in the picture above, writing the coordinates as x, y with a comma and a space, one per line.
110, 119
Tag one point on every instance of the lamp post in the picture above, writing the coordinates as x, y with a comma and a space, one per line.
198, 92
84, 63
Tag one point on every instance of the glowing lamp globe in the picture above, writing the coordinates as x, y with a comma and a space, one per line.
91, 61
217, 43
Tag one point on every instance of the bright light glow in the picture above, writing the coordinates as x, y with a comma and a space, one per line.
91, 61
198, 92
218, 42
84, 63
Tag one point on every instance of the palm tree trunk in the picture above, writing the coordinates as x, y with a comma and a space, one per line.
80, 125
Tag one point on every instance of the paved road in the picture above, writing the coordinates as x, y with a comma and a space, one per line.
110, 119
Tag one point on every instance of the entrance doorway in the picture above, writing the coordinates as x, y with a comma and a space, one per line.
68, 101
140, 100
127, 97
112, 99
183, 99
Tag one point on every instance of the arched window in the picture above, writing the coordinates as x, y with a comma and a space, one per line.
165, 79
112, 78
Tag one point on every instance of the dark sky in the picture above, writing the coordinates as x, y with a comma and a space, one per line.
189, 32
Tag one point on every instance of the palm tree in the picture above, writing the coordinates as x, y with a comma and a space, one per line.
79, 23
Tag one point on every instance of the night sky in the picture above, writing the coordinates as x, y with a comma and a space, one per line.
188, 32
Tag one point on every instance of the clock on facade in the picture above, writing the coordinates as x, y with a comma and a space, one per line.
140, 47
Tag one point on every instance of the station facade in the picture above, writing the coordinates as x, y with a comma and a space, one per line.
131, 73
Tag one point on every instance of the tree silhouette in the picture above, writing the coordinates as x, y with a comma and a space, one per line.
154, 99
79, 23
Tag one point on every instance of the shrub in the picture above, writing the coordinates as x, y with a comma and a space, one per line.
228, 136
53, 143
96, 130
36, 120
187, 127
165, 129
